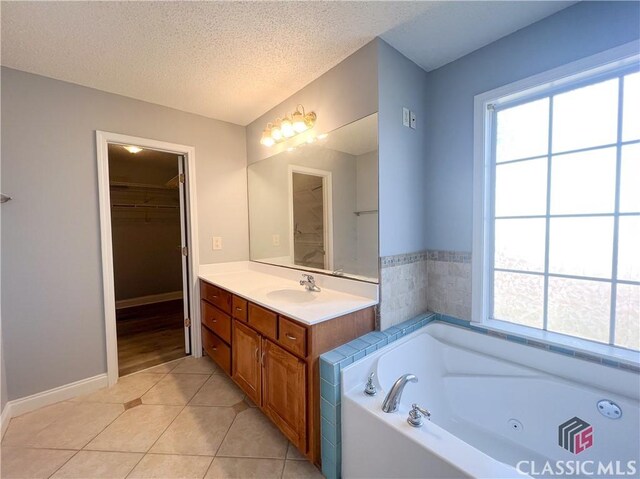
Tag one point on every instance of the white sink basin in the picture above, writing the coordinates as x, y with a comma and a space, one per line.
291, 295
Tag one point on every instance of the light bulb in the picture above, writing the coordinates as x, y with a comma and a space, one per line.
266, 139
298, 122
133, 149
276, 132
287, 128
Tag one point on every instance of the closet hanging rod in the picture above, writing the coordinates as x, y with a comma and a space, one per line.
155, 207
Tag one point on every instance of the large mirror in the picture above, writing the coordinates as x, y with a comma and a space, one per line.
315, 207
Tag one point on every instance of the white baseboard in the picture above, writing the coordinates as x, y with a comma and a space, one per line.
151, 299
27, 404
5, 417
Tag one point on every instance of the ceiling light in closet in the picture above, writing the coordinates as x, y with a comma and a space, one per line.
133, 149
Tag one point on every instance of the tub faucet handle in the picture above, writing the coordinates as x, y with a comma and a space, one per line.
416, 415
370, 388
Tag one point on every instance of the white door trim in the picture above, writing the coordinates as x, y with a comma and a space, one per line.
103, 138
327, 185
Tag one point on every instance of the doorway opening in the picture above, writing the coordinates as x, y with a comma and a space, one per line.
147, 231
149, 252
310, 213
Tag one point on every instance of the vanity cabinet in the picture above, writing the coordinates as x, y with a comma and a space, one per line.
274, 358
247, 361
284, 397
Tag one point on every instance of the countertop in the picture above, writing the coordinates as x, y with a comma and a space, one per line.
266, 285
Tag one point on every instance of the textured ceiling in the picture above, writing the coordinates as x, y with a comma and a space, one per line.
235, 60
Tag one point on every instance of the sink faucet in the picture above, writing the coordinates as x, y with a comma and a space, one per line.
309, 283
392, 401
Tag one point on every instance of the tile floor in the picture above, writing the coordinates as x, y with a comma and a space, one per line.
183, 419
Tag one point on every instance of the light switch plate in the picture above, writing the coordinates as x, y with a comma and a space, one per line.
217, 242
405, 117
413, 120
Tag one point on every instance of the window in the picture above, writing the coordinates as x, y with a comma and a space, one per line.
559, 226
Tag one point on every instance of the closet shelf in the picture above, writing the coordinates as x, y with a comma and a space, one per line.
139, 186
365, 212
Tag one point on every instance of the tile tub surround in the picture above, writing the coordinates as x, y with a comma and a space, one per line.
431, 280
204, 429
449, 280
403, 288
332, 362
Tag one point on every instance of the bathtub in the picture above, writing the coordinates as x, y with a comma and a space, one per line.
496, 409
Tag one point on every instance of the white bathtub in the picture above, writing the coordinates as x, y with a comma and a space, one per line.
475, 385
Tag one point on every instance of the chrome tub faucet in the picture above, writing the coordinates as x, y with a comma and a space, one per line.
392, 401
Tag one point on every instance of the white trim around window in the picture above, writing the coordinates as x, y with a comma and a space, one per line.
570, 74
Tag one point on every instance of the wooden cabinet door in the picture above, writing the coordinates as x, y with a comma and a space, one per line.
246, 360
284, 395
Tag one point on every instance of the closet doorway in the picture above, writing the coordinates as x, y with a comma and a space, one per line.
147, 227
147, 233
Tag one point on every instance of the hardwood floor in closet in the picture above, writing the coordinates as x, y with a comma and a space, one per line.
149, 335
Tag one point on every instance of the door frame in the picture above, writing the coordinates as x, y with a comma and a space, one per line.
103, 139
327, 200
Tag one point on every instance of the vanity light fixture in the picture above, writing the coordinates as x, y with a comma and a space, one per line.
133, 149
291, 125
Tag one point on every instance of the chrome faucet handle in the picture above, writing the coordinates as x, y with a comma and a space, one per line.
370, 388
416, 415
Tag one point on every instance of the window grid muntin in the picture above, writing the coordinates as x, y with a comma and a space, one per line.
613, 280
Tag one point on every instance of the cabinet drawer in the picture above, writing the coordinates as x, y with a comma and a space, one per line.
216, 321
293, 337
217, 350
239, 309
216, 296
263, 320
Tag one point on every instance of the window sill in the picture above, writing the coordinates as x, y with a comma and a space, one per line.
578, 345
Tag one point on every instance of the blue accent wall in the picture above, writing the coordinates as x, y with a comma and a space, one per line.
401, 83
579, 31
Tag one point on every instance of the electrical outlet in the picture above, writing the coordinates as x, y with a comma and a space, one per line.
217, 242
276, 240
413, 120
405, 117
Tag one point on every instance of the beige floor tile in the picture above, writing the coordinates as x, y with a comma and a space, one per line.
72, 429
219, 390
165, 466
162, 368
253, 435
245, 468
197, 430
191, 365
136, 429
20, 463
98, 465
126, 389
293, 454
301, 470
22, 429
175, 389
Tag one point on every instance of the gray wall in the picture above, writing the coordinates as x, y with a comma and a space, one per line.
347, 92
576, 32
401, 83
53, 324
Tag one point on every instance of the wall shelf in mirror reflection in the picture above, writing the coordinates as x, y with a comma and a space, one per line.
320, 201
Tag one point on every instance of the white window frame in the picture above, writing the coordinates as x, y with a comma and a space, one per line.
601, 63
